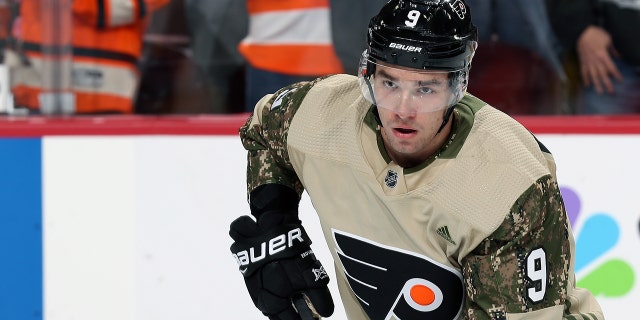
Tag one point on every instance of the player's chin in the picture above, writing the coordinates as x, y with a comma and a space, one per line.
405, 147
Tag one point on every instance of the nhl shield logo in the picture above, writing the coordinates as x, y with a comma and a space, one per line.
391, 180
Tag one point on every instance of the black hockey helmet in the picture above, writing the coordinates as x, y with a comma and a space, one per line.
423, 34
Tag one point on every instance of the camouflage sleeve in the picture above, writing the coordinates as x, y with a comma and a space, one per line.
264, 136
523, 267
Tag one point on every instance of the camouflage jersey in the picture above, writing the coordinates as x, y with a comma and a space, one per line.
478, 231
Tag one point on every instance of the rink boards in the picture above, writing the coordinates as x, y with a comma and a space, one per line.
132, 224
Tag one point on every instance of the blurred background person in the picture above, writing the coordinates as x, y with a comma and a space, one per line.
190, 61
168, 82
288, 41
106, 45
216, 28
5, 31
518, 69
600, 42
349, 22
5, 17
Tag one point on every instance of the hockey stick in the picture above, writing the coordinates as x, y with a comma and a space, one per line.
305, 312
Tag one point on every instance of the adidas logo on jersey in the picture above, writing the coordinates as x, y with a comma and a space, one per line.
444, 232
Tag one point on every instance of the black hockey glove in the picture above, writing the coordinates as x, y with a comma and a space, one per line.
278, 265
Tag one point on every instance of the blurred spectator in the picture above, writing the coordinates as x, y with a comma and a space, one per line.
5, 26
601, 42
5, 17
165, 67
191, 62
517, 70
106, 40
288, 41
6, 101
349, 23
216, 28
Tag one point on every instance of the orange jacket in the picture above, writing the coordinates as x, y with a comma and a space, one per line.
107, 38
291, 37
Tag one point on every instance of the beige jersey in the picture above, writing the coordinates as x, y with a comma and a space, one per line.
478, 231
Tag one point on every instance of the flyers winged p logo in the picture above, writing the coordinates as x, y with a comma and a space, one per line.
392, 282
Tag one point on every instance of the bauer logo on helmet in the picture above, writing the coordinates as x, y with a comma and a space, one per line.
405, 47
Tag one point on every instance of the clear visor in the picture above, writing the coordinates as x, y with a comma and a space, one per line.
405, 90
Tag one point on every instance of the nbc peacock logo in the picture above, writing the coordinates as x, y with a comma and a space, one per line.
599, 234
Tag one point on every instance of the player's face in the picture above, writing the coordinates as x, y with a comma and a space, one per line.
410, 136
408, 91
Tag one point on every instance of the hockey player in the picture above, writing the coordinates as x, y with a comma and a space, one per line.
434, 205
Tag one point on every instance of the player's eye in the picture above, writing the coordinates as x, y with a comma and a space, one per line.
389, 84
425, 90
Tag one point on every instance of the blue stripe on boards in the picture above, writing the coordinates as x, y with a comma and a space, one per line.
21, 229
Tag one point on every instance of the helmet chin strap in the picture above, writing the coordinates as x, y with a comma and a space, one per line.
373, 97
375, 110
447, 116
